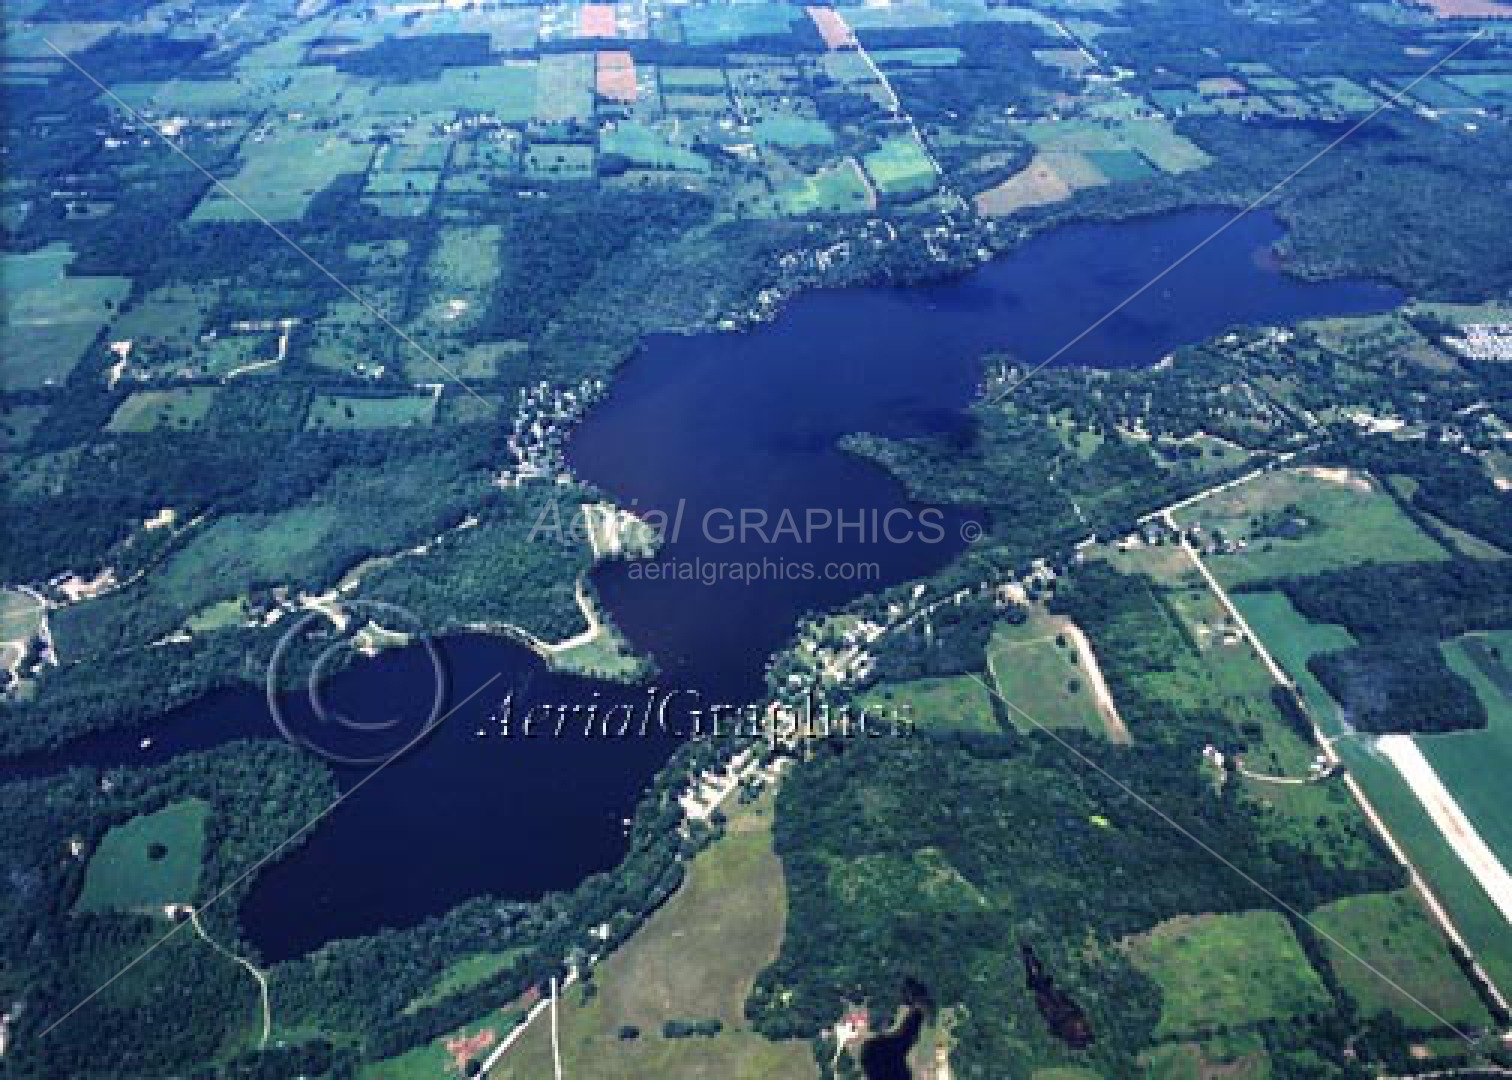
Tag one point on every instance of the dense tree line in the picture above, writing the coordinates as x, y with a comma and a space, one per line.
183, 1003
1018, 823
1388, 602
1400, 685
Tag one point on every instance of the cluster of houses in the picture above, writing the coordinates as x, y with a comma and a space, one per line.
842, 653
832, 657
543, 418
1483, 341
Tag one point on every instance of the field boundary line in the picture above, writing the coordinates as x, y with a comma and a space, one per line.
1210, 850
1336, 764
367, 305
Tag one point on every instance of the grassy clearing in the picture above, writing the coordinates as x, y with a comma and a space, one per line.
695, 958
440, 1057
1152, 140
792, 129
148, 862
608, 654
17, 422
51, 319
282, 172
402, 183
1039, 183
506, 91
925, 881
692, 103
1162, 147
1323, 816
1243, 681
20, 615
1035, 666
691, 78
338, 412
183, 409
1223, 971
958, 703
839, 189
1231, 1057
566, 88
460, 272
1393, 934
570, 161
1294, 523
651, 148
928, 57
216, 563
173, 315
465, 974
724, 24
1198, 661
901, 167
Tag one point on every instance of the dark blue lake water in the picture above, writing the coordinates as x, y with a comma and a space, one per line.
714, 427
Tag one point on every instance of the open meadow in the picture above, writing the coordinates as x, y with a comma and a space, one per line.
148, 862
695, 959
1293, 522
1227, 972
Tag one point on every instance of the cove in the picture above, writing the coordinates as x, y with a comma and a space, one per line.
750, 421
699, 424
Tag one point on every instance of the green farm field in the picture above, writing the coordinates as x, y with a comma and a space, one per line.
956, 703
1243, 681
923, 880
214, 564
335, 412
1296, 523
1293, 641
182, 408
651, 147
148, 862
901, 167
696, 958
280, 174
1225, 971
465, 974
20, 615
1379, 939
50, 318
448, 1054
1475, 765
1233, 1057
1034, 666
839, 189
1475, 916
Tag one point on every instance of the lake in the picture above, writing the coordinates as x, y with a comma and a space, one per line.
712, 427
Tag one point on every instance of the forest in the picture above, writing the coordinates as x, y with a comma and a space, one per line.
1017, 858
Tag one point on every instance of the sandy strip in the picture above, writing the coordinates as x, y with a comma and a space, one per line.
1118, 731
1408, 758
